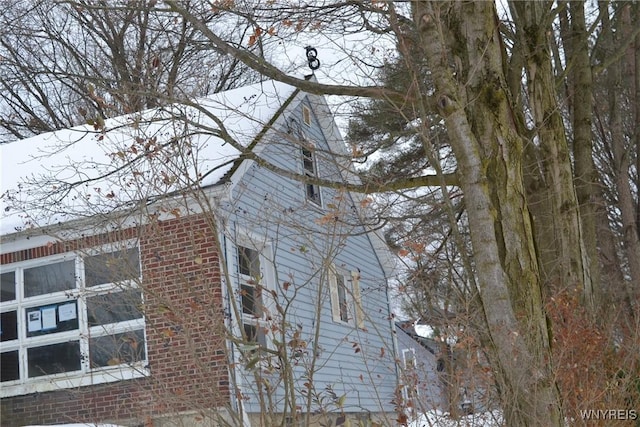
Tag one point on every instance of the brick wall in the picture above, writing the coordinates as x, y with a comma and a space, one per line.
184, 327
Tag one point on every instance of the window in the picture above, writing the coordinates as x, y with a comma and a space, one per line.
409, 358
306, 115
250, 278
346, 304
309, 168
68, 316
8, 286
410, 381
254, 277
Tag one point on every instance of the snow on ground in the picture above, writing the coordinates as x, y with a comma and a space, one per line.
442, 419
430, 419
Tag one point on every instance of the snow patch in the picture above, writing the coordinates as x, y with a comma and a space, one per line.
443, 419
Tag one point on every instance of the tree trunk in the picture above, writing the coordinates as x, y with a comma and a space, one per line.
474, 100
564, 263
621, 163
576, 47
621, 148
635, 145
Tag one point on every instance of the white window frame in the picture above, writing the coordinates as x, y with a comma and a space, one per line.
405, 351
86, 375
410, 391
357, 299
352, 299
266, 282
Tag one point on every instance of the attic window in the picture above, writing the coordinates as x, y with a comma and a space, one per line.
306, 115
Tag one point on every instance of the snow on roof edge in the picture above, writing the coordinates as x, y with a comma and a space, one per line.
244, 112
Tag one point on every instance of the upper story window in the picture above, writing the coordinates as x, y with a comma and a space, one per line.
306, 115
346, 300
342, 298
68, 316
310, 170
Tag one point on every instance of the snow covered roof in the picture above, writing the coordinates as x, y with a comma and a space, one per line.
101, 167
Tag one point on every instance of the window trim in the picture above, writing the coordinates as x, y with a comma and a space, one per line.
267, 271
405, 351
357, 299
336, 302
409, 379
353, 297
306, 115
86, 375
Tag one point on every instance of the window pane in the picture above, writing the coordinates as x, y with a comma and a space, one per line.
306, 115
307, 161
313, 193
112, 267
342, 298
54, 359
114, 307
49, 278
8, 291
9, 366
409, 358
249, 262
118, 349
255, 334
251, 300
52, 318
308, 165
9, 326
